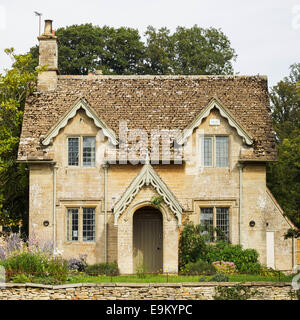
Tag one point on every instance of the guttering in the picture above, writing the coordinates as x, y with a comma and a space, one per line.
105, 169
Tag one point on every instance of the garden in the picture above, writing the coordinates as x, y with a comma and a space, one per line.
35, 261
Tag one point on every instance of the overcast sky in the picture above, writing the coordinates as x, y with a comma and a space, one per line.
264, 33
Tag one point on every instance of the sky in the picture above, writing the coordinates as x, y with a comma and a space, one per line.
264, 33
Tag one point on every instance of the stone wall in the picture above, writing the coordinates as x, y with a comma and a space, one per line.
136, 291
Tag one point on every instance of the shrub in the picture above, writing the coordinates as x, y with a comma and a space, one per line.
48, 280
269, 272
57, 268
35, 264
25, 263
141, 270
244, 260
109, 269
192, 246
197, 268
78, 264
224, 266
219, 277
21, 278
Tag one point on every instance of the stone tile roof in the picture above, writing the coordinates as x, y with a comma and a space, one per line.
151, 102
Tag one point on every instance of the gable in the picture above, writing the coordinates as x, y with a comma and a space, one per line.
79, 104
225, 113
147, 176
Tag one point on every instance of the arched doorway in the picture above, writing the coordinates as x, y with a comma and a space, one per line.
148, 239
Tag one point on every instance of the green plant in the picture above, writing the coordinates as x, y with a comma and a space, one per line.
237, 292
48, 280
197, 268
219, 277
246, 260
192, 245
141, 270
269, 272
26, 263
156, 201
77, 264
109, 269
36, 265
22, 278
224, 266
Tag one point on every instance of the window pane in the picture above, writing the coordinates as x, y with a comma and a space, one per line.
73, 151
72, 225
207, 151
223, 223
206, 220
88, 224
88, 151
222, 152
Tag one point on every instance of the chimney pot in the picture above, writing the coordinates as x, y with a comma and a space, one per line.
48, 27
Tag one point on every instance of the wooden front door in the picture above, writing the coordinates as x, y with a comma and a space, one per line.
148, 240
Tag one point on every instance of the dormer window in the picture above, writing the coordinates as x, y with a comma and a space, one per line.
81, 151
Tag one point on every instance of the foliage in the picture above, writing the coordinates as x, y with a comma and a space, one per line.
21, 278
269, 272
109, 269
283, 176
15, 86
78, 264
156, 201
197, 268
219, 277
35, 264
86, 48
192, 246
237, 292
245, 260
188, 51
141, 270
224, 266
32, 259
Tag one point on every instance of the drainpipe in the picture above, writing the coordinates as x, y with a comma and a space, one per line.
105, 168
55, 167
240, 167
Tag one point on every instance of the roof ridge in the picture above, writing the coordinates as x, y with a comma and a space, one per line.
158, 77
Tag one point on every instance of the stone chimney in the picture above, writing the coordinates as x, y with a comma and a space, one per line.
47, 80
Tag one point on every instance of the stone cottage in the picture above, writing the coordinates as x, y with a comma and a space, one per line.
119, 163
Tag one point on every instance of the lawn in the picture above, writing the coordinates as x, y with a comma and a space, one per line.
159, 278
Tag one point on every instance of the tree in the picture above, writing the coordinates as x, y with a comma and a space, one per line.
15, 85
202, 51
86, 48
283, 177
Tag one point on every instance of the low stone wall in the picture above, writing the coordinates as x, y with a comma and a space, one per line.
136, 291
